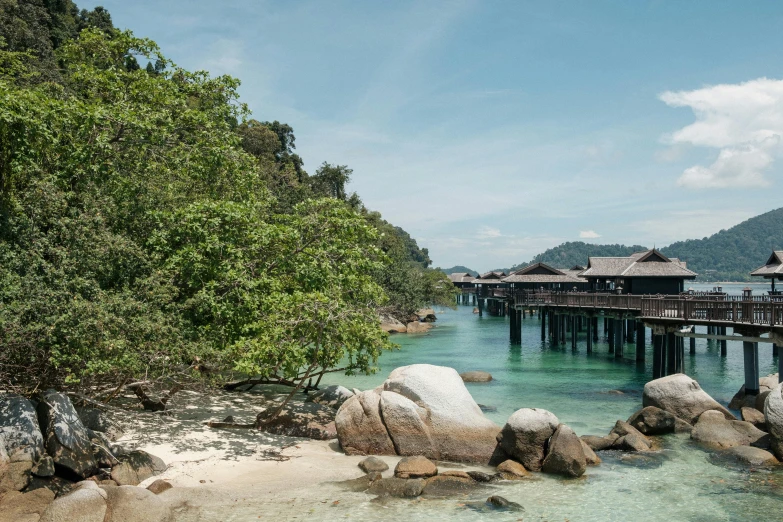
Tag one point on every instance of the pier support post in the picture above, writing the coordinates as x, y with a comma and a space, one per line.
723, 343
595, 329
481, 307
693, 344
554, 328
774, 350
751, 359
573, 332
543, 315
631, 330
512, 328
659, 356
589, 335
519, 326
619, 341
671, 353
679, 364
563, 324
640, 348
609, 330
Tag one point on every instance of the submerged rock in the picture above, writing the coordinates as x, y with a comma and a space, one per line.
682, 396
629, 438
512, 470
447, 486
397, 487
653, 421
480, 476
715, 430
476, 376
747, 456
525, 434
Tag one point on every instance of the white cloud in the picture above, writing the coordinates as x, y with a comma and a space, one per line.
744, 121
589, 234
488, 233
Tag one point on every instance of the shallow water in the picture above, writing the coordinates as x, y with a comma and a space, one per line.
589, 393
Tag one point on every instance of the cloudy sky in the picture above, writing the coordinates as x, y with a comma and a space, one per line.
494, 130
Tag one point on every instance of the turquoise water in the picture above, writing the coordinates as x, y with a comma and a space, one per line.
589, 393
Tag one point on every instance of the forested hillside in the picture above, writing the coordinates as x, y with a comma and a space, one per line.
576, 253
731, 254
459, 269
151, 228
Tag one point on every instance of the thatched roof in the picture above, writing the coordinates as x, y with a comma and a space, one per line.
542, 273
461, 277
773, 267
650, 263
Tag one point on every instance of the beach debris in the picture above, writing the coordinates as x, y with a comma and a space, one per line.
150, 401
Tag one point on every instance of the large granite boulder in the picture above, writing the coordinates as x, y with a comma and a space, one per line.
97, 420
458, 427
653, 421
415, 467
682, 396
525, 435
360, 428
391, 325
407, 425
714, 430
87, 503
15, 471
299, 419
565, 456
66, 439
132, 504
25, 507
773, 415
333, 396
754, 416
19, 426
741, 399
136, 466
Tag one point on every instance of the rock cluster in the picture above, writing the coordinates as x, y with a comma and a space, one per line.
53, 458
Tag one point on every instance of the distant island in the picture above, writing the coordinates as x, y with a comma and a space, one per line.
728, 255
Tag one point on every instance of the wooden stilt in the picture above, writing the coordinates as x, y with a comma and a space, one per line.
640, 348
750, 353
659, 356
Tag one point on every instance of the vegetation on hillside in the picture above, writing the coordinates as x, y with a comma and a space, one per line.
459, 269
150, 229
575, 253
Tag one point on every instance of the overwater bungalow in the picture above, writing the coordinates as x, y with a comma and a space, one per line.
648, 272
487, 283
772, 270
462, 280
542, 277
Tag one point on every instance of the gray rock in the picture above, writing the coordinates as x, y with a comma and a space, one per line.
629, 438
714, 430
19, 426
426, 315
360, 428
373, 464
415, 467
447, 486
58, 486
566, 456
741, 400
406, 423
97, 420
391, 325
498, 501
749, 456
773, 416
135, 467
85, 504
397, 487
754, 416
653, 421
44, 467
333, 396
525, 434
512, 470
460, 432
18, 469
599, 443
417, 327
25, 507
132, 504
682, 396
102, 449
65, 437
308, 419
590, 457
480, 476
476, 376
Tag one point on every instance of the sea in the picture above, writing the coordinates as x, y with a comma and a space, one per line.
589, 393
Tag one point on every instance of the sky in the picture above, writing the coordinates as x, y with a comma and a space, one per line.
493, 130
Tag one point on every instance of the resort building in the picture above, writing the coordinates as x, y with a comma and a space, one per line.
772, 270
542, 277
648, 272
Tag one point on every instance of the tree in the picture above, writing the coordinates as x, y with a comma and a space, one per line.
330, 180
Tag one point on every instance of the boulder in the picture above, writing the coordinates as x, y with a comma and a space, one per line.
58, 486
102, 449
682, 396
333, 396
681, 426
44, 467
447, 486
300, 419
512, 470
19, 426
525, 434
599, 443
754, 416
498, 502
18, 469
25, 507
480, 476
132, 504
426, 315
159, 486
460, 432
406, 423
360, 428
373, 465
135, 467
97, 420
773, 413
391, 325
84, 504
476, 376
415, 467
418, 327
455, 473
653, 421
749, 456
590, 457
629, 438
741, 400
66, 438
565, 456
397, 487
714, 430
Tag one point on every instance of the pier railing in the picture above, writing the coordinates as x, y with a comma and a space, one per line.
578, 300
752, 312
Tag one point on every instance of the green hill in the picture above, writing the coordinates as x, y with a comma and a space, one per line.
576, 253
458, 269
731, 254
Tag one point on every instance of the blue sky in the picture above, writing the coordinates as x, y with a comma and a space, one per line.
493, 130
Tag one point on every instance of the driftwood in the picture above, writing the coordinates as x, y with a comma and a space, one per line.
151, 402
